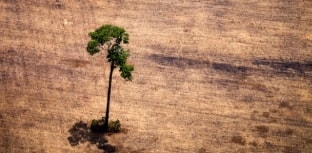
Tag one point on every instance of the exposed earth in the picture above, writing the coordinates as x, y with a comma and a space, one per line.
211, 76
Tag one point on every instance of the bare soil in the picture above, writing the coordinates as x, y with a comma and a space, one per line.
210, 76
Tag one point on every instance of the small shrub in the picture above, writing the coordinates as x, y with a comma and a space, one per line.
114, 126
97, 125
239, 140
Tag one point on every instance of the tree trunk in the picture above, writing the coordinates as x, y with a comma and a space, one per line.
108, 96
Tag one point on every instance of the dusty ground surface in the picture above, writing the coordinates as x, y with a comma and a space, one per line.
210, 76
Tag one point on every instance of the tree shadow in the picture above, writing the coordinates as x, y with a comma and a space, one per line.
286, 67
229, 68
179, 62
282, 68
80, 133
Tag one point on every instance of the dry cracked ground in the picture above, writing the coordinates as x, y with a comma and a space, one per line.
211, 76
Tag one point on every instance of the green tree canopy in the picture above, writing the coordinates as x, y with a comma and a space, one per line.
113, 37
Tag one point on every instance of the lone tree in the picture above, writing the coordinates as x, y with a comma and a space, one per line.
111, 38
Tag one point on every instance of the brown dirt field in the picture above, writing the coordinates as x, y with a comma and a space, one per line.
210, 76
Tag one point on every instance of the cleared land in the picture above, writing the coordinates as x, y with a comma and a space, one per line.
210, 76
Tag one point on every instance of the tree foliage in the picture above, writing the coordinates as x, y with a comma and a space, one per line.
113, 37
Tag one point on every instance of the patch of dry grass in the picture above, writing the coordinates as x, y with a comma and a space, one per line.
286, 104
266, 114
239, 140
